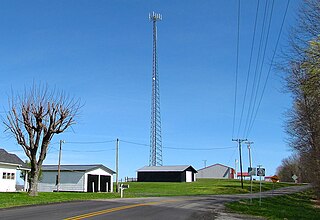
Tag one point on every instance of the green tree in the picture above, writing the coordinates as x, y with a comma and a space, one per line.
303, 82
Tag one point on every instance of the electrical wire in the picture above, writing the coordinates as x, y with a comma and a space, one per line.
249, 67
256, 68
271, 64
237, 69
89, 142
200, 149
261, 66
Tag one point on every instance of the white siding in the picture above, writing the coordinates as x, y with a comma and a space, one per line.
217, 171
7, 185
99, 171
188, 176
69, 181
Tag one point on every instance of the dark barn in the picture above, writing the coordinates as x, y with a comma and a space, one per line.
183, 173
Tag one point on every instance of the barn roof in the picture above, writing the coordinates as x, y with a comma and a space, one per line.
13, 159
85, 168
177, 168
217, 164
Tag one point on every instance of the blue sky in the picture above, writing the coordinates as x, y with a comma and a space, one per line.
101, 52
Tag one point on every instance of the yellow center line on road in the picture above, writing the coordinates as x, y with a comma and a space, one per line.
92, 214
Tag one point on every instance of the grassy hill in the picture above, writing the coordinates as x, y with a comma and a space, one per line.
138, 189
200, 187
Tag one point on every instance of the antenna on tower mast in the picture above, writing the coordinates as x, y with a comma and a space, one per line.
155, 132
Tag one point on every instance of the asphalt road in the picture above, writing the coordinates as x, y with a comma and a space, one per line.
195, 207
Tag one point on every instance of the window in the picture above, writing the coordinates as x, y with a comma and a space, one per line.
8, 176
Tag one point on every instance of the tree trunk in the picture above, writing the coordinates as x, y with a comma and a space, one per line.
33, 189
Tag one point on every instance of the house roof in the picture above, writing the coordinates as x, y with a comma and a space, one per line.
217, 164
85, 168
13, 159
177, 168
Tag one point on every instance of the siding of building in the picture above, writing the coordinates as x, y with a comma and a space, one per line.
73, 180
216, 171
167, 174
7, 185
69, 181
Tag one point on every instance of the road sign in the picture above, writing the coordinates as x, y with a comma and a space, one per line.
252, 171
261, 171
294, 177
275, 178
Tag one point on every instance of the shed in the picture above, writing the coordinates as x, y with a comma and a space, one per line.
216, 171
9, 164
180, 173
76, 178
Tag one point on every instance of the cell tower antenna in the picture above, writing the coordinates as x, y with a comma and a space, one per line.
155, 132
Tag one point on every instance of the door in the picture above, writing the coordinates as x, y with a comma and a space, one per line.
105, 183
93, 181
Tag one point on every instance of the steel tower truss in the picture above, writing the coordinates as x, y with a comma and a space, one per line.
155, 133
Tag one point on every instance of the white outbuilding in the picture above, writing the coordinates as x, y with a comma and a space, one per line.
216, 171
9, 164
76, 178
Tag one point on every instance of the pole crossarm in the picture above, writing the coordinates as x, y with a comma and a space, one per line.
239, 141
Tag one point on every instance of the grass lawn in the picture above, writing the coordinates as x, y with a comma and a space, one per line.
200, 187
22, 198
294, 206
139, 189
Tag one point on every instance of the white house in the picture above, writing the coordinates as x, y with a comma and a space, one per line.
76, 178
9, 164
216, 171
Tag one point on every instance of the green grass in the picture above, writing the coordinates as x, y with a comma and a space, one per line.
294, 206
139, 189
200, 187
23, 199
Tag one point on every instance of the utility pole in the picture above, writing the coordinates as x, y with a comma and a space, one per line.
249, 149
239, 144
250, 165
58, 178
205, 163
117, 164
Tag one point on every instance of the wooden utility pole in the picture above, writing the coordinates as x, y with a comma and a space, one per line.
239, 144
58, 178
117, 164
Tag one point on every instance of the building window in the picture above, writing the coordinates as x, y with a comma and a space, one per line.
8, 176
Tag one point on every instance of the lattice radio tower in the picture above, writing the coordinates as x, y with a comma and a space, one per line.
155, 133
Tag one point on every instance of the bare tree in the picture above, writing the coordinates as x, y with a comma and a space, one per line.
34, 118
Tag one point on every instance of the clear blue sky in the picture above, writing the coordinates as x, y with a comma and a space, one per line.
101, 52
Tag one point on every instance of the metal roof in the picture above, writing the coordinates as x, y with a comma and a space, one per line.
177, 168
217, 164
13, 159
85, 168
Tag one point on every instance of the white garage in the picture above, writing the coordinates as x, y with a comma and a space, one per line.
76, 178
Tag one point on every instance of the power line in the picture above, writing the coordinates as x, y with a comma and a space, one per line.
256, 68
249, 67
200, 149
272, 59
89, 151
261, 66
89, 142
237, 69
179, 148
